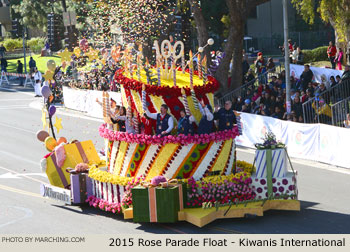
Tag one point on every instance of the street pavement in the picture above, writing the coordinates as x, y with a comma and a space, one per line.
323, 189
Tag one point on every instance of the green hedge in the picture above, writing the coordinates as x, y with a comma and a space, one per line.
317, 54
36, 44
12, 44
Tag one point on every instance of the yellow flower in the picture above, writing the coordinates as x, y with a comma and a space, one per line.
106, 177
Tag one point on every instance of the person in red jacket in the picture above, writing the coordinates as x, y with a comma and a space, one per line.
331, 52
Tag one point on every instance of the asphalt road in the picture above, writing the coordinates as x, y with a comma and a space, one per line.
323, 189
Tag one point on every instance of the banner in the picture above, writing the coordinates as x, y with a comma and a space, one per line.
85, 100
297, 70
333, 147
316, 142
254, 128
301, 139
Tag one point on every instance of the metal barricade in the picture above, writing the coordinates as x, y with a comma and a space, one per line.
331, 96
242, 90
339, 112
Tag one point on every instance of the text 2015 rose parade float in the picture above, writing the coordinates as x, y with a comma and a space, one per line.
177, 173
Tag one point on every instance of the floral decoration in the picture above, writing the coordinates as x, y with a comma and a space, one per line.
269, 142
162, 140
127, 199
106, 177
219, 190
104, 205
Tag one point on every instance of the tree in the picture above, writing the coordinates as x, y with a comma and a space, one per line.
34, 13
237, 12
334, 12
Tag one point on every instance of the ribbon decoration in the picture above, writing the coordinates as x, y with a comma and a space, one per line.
59, 171
153, 198
82, 152
269, 172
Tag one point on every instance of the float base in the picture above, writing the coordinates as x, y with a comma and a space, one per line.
201, 217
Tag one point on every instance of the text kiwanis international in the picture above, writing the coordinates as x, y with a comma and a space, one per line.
241, 242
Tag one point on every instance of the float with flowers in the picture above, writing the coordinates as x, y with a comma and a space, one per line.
171, 177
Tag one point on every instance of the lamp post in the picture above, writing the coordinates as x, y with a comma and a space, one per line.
286, 56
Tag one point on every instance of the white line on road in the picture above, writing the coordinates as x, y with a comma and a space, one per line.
16, 91
27, 214
18, 99
12, 108
18, 157
10, 175
13, 127
23, 175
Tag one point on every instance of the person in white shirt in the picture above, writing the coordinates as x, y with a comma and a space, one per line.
165, 122
37, 82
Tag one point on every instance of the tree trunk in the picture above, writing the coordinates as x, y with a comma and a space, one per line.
233, 48
201, 26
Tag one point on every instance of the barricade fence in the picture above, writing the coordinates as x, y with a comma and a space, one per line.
316, 112
4, 79
242, 90
316, 142
340, 111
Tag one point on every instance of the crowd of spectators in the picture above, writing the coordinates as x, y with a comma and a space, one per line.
264, 93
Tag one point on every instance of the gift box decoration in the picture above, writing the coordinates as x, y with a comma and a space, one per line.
79, 152
279, 163
157, 204
286, 185
81, 187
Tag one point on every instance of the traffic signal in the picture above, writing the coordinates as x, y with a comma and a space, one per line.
15, 31
55, 31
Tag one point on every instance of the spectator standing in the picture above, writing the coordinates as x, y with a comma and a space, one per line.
337, 79
347, 121
300, 59
271, 67
333, 83
259, 66
32, 66
2, 50
339, 58
306, 77
295, 55
245, 66
297, 107
346, 74
20, 71
3, 65
331, 52
250, 76
37, 79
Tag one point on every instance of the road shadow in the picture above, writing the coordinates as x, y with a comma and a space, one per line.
309, 220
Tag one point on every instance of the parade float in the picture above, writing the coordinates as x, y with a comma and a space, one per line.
153, 178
